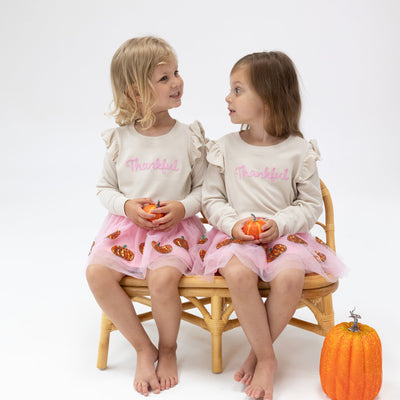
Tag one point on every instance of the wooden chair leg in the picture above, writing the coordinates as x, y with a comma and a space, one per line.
327, 318
216, 329
322, 308
105, 330
216, 351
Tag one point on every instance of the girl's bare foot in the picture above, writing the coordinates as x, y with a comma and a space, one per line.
145, 376
245, 373
167, 368
263, 380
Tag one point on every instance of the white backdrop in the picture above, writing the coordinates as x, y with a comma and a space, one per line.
55, 90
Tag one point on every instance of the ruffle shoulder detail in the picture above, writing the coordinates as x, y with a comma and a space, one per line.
215, 155
110, 138
198, 141
312, 155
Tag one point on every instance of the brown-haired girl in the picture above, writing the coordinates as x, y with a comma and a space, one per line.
150, 158
269, 170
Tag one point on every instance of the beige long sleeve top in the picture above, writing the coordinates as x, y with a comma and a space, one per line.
278, 182
166, 167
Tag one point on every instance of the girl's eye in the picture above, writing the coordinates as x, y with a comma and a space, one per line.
176, 73
164, 78
237, 90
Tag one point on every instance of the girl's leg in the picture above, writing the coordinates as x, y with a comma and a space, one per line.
280, 305
116, 304
249, 307
282, 302
167, 312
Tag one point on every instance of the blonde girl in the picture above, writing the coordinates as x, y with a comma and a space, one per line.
267, 169
150, 158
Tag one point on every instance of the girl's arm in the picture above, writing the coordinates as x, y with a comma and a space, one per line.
217, 209
305, 210
175, 211
108, 190
116, 202
197, 152
134, 211
215, 205
107, 186
192, 202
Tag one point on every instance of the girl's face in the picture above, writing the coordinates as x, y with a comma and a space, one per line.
244, 104
168, 86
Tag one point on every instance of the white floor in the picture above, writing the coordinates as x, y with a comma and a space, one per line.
55, 89
50, 331
50, 321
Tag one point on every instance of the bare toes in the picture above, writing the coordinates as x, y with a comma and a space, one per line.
247, 379
248, 391
258, 392
238, 376
167, 370
142, 388
245, 373
267, 396
162, 383
155, 386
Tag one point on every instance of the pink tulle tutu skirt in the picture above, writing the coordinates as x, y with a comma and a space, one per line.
301, 251
124, 247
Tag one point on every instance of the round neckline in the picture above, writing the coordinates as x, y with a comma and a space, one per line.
167, 134
254, 146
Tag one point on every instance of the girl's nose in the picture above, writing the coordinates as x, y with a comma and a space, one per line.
227, 98
177, 80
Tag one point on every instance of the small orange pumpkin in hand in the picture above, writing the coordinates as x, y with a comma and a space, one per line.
351, 362
253, 227
150, 207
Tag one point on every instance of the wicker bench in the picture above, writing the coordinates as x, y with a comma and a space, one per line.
213, 301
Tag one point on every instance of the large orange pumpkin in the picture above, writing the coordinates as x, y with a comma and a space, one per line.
253, 227
351, 362
150, 207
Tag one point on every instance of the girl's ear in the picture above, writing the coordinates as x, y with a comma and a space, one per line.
133, 93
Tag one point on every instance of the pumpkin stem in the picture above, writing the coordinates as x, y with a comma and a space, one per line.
356, 317
254, 217
158, 204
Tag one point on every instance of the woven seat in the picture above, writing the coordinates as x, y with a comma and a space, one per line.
217, 318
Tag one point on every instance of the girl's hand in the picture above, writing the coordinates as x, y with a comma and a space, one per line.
271, 232
134, 211
237, 232
174, 213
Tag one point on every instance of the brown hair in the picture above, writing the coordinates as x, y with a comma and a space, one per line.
131, 69
274, 78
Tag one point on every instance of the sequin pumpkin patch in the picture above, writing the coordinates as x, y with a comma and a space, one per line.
123, 252
181, 242
296, 239
229, 241
275, 252
114, 235
163, 249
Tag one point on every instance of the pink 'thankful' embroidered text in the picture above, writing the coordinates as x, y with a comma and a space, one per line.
136, 165
272, 174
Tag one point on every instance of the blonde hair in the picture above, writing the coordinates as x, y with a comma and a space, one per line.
274, 78
131, 69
